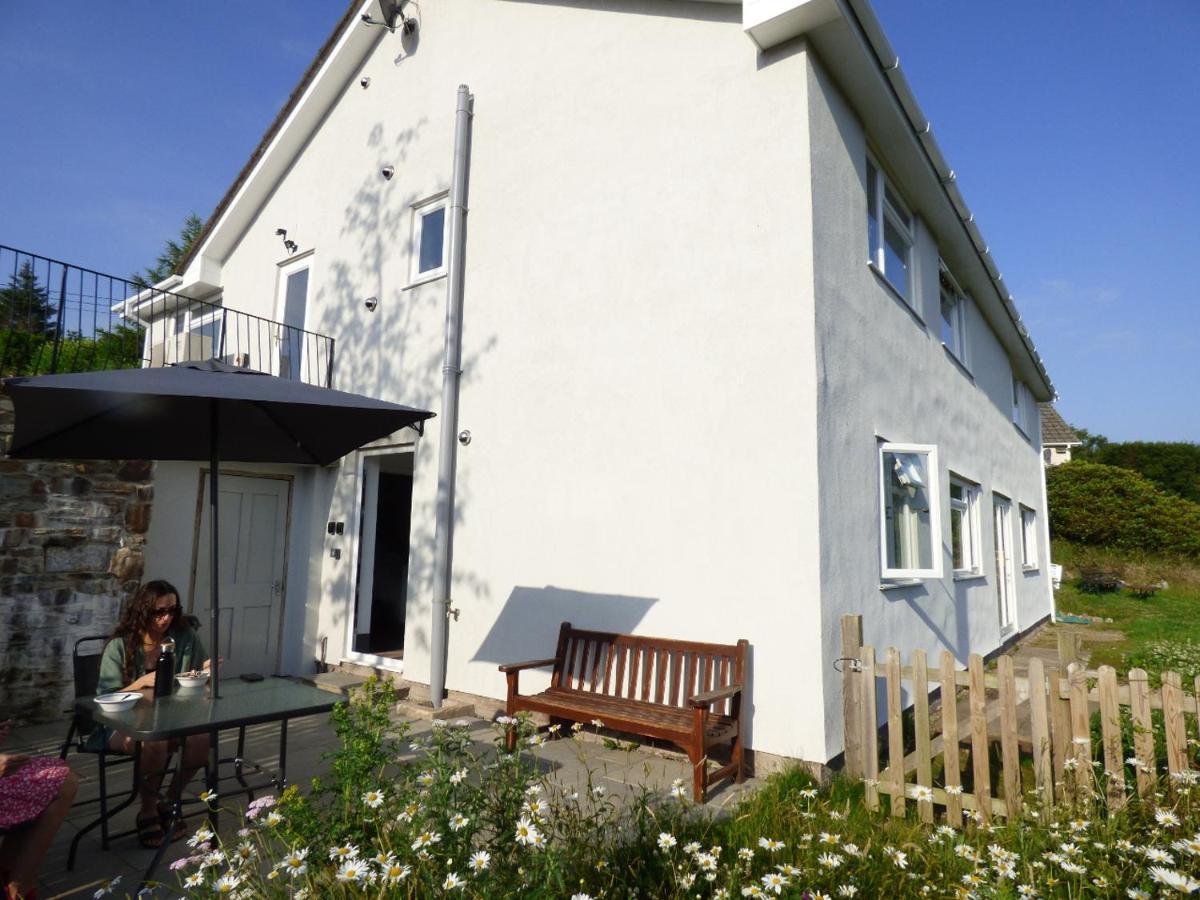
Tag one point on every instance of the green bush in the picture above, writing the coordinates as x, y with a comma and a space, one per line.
1175, 467
1106, 506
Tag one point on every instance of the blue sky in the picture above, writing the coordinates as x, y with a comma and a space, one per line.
1074, 128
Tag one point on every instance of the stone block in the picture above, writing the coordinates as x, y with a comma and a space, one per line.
137, 517
85, 558
13, 537
128, 564
136, 470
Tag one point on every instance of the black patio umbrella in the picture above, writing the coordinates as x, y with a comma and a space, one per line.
196, 411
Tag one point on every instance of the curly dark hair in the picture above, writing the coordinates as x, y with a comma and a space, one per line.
137, 615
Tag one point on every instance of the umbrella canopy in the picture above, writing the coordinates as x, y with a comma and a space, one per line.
195, 411
166, 413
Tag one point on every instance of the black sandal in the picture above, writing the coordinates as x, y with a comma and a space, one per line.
150, 832
164, 818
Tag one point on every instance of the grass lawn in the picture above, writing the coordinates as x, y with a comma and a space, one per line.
1172, 614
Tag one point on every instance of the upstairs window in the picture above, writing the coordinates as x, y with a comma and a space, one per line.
954, 317
889, 233
965, 546
910, 529
429, 239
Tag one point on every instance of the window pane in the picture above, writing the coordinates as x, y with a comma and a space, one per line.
895, 265
907, 511
956, 537
433, 225
896, 206
950, 322
872, 217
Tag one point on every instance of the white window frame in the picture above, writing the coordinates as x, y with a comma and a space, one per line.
419, 212
1022, 403
933, 488
1029, 536
971, 539
958, 346
886, 211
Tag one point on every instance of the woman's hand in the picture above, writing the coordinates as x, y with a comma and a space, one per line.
146, 681
11, 762
207, 663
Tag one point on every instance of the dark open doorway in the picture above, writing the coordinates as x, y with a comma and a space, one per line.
383, 557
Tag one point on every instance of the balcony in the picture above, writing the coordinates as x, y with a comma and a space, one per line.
56, 317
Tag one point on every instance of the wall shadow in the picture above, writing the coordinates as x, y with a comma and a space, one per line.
527, 625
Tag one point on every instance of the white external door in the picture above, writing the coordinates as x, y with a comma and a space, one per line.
1002, 531
253, 519
291, 309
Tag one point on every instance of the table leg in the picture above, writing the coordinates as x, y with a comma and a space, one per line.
213, 779
170, 825
282, 777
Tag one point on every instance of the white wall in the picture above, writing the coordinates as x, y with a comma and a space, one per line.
170, 545
638, 331
883, 371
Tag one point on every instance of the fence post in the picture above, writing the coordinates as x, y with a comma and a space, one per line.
1172, 701
1110, 726
1039, 722
1068, 648
895, 732
981, 772
1081, 734
870, 730
1010, 753
1143, 732
1060, 725
950, 755
920, 689
852, 635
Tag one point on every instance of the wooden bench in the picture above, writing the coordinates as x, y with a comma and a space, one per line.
684, 692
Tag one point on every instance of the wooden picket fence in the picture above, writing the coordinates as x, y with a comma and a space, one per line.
1053, 733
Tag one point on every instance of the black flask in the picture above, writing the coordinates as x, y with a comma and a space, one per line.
164, 672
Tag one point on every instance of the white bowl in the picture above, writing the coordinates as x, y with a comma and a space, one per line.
118, 701
189, 683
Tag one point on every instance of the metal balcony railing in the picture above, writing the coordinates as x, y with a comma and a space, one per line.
58, 317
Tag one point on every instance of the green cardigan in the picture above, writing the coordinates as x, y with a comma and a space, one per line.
189, 654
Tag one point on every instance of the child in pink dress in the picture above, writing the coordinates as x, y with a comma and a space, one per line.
35, 796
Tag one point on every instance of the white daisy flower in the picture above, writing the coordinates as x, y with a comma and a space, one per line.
352, 871
225, 885
1178, 881
527, 833
343, 852
394, 872
452, 882
774, 882
480, 860
458, 822
1166, 818
373, 799
425, 840
294, 863
458, 777
771, 844
666, 840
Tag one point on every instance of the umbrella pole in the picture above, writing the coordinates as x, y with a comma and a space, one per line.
214, 607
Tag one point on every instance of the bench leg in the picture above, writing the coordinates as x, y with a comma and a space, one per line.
699, 775
510, 738
737, 757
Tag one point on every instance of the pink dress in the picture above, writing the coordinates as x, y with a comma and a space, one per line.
25, 794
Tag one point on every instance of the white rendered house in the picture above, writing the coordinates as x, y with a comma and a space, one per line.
735, 357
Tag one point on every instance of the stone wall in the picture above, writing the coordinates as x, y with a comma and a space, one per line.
71, 552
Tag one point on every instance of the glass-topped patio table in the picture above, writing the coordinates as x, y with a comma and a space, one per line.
241, 703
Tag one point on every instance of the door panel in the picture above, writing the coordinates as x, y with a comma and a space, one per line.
1002, 542
253, 517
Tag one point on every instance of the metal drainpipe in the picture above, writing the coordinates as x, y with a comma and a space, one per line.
443, 552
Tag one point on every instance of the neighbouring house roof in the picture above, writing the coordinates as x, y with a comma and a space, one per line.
1055, 430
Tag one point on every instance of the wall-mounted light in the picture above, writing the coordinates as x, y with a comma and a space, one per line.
365, 81
393, 16
387, 172
370, 303
290, 246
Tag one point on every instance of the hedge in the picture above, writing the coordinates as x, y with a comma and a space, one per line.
1107, 506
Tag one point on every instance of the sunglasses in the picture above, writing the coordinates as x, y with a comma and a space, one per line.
166, 611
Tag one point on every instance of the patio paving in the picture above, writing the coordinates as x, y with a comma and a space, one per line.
621, 770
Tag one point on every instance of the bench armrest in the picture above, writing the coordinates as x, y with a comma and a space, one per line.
709, 697
530, 664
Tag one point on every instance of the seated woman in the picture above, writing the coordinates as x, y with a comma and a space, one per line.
128, 664
35, 795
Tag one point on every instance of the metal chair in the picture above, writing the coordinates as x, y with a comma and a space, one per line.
86, 670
